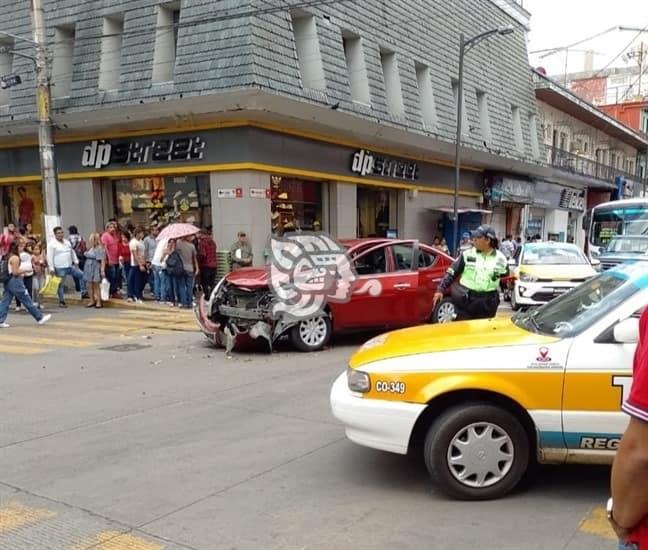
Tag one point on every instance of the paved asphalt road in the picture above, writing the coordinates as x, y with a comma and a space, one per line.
164, 443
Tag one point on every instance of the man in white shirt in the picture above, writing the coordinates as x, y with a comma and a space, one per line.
161, 278
62, 261
507, 247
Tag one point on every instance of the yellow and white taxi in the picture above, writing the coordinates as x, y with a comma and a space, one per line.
485, 398
542, 271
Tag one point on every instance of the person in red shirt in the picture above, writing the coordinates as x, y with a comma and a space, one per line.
207, 260
628, 509
110, 240
124, 257
8, 236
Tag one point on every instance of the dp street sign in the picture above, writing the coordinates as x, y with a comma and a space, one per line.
9, 80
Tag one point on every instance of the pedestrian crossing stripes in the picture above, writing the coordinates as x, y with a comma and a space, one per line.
95, 329
114, 540
24, 526
14, 516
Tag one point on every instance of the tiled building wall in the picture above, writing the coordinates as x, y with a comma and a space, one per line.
225, 45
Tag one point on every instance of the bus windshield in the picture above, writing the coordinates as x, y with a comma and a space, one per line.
630, 244
608, 221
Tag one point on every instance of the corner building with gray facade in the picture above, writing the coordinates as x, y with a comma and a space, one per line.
270, 114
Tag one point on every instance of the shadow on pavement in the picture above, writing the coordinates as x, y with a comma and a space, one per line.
383, 470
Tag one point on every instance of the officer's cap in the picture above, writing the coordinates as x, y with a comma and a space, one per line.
484, 231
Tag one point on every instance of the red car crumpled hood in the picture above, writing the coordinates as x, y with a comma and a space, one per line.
249, 277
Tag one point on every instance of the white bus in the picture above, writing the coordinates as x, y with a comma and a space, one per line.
611, 219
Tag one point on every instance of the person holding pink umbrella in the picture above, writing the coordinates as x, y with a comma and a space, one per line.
177, 231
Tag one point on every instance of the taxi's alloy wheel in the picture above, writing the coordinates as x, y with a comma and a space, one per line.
514, 305
311, 334
476, 451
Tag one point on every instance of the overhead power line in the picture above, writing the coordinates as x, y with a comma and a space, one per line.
623, 50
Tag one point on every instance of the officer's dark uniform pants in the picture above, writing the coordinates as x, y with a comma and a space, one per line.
477, 305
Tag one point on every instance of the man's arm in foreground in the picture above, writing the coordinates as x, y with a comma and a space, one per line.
630, 476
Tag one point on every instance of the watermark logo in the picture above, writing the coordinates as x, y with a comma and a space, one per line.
307, 270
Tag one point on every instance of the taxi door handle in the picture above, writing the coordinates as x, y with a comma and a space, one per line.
402, 286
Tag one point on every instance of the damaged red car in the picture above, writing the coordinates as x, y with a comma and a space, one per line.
394, 287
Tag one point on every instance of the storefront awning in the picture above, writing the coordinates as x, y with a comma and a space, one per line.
450, 210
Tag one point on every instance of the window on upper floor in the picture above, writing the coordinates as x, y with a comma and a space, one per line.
426, 96
111, 47
391, 77
308, 52
62, 63
533, 133
576, 146
548, 133
517, 129
166, 42
563, 141
6, 67
356, 68
484, 117
644, 121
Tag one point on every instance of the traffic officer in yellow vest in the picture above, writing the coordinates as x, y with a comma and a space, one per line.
479, 270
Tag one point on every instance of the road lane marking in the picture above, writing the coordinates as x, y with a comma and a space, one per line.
155, 315
14, 516
597, 524
114, 540
99, 321
47, 341
22, 350
88, 333
116, 327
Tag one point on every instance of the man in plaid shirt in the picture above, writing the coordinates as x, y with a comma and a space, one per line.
207, 260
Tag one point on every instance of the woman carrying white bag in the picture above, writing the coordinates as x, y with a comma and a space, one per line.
94, 271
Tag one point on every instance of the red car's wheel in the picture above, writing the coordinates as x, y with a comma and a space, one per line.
311, 334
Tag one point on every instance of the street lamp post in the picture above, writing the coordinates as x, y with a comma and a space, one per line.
464, 47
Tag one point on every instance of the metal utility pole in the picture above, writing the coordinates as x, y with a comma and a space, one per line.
45, 134
464, 47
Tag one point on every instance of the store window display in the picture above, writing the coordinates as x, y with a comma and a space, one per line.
142, 201
296, 204
376, 211
23, 206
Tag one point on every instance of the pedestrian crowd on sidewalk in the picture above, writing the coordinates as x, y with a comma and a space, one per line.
134, 258
125, 259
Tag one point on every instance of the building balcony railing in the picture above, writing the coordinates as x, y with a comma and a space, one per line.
586, 167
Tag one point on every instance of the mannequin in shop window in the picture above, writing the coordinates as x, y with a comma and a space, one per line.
382, 214
25, 208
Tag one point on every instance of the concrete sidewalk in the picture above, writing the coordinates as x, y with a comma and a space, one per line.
148, 305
